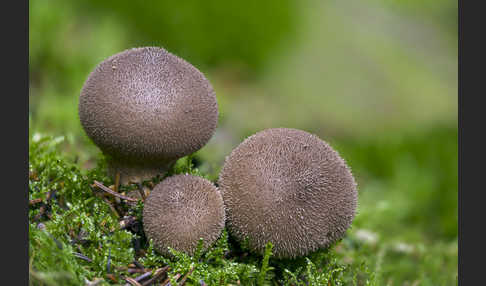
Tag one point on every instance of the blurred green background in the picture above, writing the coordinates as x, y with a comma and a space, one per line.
376, 79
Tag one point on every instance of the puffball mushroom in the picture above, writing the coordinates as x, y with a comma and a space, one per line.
290, 188
145, 108
182, 209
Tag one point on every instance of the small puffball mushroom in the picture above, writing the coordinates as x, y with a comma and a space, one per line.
145, 108
182, 209
290, 188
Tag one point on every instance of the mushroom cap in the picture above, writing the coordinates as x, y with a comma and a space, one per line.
288, 187
148, 105
182, 209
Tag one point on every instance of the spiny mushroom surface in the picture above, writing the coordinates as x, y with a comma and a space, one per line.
145, 108
288, 187
182, 209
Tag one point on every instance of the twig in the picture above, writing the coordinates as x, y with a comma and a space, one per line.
135, 270
183, 280
108, 263
143, 276
139, 278
158, 273
120, 268
33, 175
117, 181
110, 191
167, 281
93, 283
138, 264
112, 277
132, 281
113, 209
35, 201
83, 257
51, 194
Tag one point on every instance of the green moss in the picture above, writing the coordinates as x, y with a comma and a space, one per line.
262, 276
79, 221
72, 221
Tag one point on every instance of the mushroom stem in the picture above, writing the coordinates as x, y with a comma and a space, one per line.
137, 172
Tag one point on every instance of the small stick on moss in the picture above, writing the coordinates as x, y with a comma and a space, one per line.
132, 281
183, 280
51, 194
158, 273
137, 279
143, 276
33, 176
34, 201
110, 191
112, 277
93, 283
167, 281
117, 181
113, 209
108, 263
83, 257
120, 268
135, 270
138, 264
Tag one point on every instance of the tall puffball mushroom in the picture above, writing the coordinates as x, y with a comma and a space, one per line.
182, 209
145, 108
288, 187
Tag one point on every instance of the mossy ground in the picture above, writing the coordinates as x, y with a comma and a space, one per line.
75, 236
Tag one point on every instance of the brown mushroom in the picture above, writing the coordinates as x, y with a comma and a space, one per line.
182, 209
290, 188
145, 108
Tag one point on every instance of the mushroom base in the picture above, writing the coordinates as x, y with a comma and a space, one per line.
136, 173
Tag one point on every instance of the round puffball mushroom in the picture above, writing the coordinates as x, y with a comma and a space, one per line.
182, 209
290, 188
145, 108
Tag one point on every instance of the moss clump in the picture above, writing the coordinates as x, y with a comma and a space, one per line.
70, 219
72, 222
